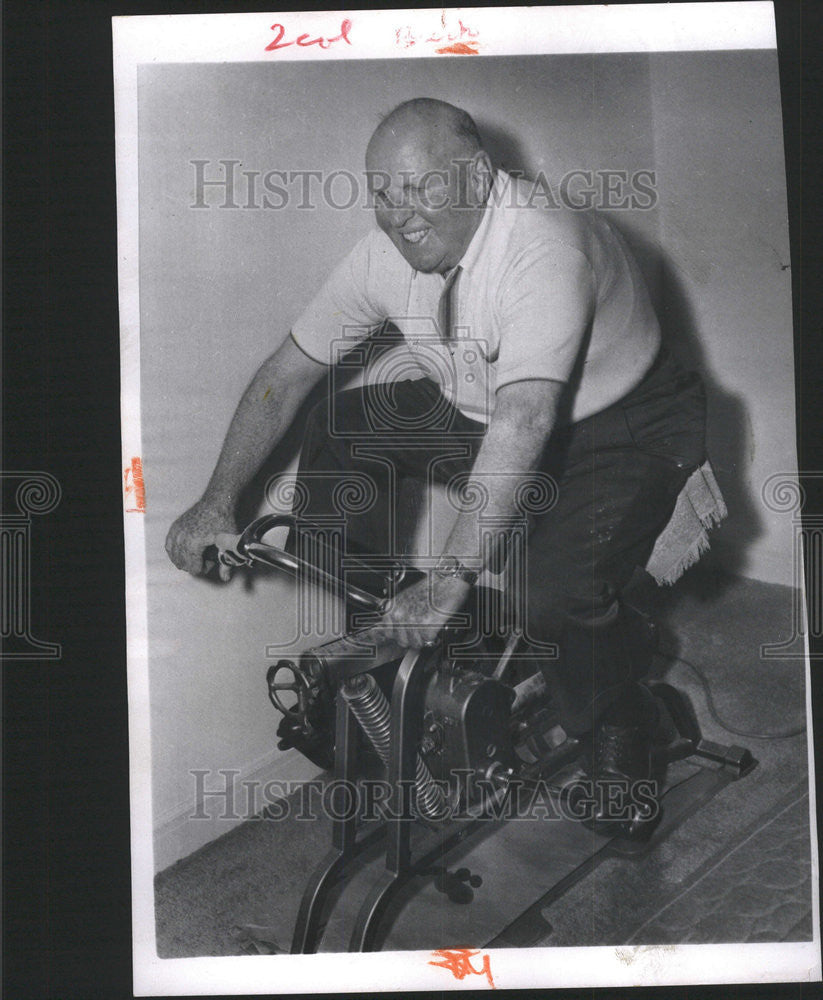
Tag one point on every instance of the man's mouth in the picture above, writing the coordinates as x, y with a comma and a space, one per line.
415, 237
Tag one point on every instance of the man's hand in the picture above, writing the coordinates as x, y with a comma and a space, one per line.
418, 614
193, 532
263, 415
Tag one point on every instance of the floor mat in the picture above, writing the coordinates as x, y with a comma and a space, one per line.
760, 890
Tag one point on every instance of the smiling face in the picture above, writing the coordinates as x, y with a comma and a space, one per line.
430, 186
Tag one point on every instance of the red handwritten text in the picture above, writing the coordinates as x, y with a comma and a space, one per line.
458, 961
134, 487
305, 40
458, 39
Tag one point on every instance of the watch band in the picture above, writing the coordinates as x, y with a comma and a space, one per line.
451, 567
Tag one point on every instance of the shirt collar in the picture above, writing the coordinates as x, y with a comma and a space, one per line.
475, 247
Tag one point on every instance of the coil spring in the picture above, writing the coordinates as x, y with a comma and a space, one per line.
371, 709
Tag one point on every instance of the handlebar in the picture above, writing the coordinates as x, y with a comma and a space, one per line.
248, 548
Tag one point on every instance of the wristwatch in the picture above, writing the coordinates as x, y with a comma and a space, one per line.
450, 566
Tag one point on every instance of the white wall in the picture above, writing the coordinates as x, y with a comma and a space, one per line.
727, 280
220, 287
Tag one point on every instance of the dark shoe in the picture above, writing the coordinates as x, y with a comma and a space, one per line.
623, 800
618, 795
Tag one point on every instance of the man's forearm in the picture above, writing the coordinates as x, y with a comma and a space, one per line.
517, 435
263, 415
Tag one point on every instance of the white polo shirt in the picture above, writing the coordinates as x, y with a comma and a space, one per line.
517, 317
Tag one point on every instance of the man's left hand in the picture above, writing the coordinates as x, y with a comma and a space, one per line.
416, 616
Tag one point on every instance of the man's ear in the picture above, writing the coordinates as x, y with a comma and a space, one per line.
482, 175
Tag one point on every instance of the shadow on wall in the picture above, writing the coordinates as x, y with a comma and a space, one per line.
729, 434
505, 151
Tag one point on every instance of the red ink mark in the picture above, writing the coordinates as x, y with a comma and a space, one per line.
458, 961
459, 49
454, 36
305, 40
404, 37
133, 482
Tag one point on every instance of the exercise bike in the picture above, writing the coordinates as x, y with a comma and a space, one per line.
464, 732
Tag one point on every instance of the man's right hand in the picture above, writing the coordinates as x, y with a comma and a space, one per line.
193, 532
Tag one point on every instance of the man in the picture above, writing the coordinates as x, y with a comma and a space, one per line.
546, 356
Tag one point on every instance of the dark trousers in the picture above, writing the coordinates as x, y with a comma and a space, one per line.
617, 476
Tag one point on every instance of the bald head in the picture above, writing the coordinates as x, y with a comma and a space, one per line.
433, 124
430, 178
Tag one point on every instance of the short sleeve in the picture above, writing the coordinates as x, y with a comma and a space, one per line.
545, 306
350, 304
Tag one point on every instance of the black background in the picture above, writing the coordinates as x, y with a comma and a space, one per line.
65, 838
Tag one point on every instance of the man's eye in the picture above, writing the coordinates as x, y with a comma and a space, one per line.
433, 193
384, 201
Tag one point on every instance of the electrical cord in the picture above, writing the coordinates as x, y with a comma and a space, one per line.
704, 681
